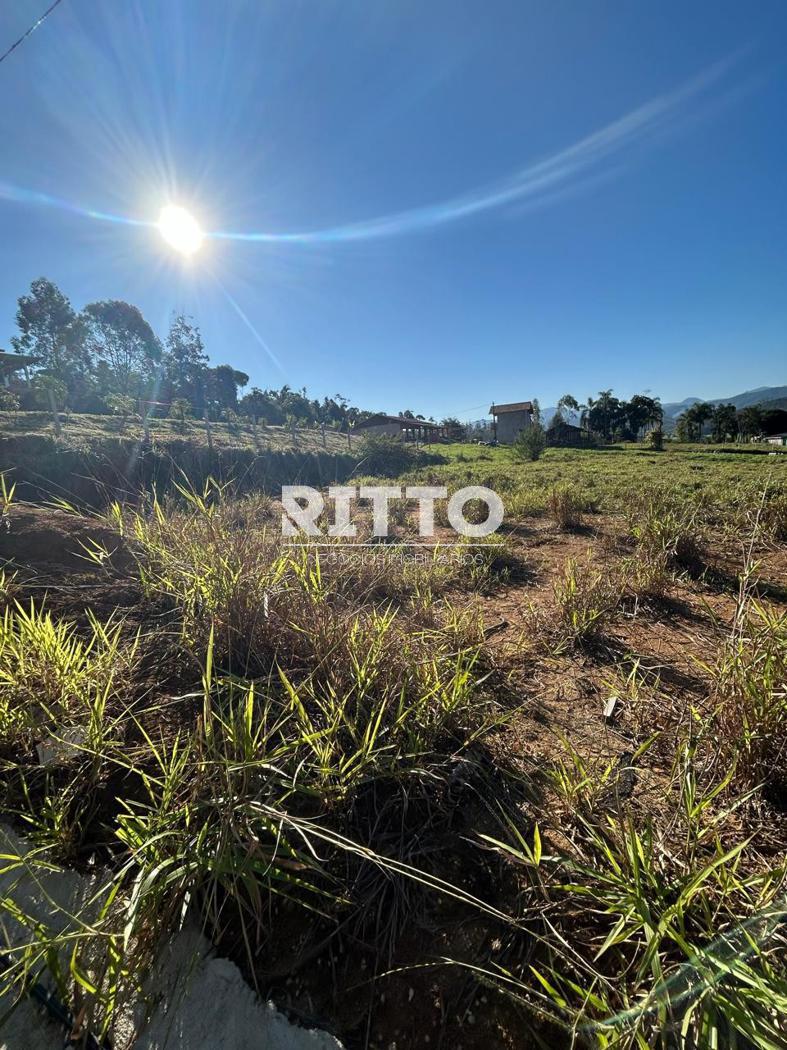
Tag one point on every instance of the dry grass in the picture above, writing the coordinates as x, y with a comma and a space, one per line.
565, 505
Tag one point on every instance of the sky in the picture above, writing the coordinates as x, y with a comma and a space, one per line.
428, 206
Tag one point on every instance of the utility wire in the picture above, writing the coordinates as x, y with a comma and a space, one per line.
27, 32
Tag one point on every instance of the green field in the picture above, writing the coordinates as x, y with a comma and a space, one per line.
605, 478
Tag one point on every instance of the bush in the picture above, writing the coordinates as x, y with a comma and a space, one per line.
52, 677
531, 442
49, 391
9, 401
386, 456
656, 440
565, 506
180, 409
122, 405
667, 532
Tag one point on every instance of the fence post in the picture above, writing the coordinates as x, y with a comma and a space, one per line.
55, 413
207, 428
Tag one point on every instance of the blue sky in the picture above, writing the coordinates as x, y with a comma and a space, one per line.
457, 202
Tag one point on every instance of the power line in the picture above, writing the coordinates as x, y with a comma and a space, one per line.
27, 32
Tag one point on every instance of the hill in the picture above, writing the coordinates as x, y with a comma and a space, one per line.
776, 404
672, 409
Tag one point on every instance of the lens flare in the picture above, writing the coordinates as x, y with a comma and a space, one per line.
180, 230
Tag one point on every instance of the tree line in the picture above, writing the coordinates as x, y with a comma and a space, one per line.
723, 422
612, 418
107, 358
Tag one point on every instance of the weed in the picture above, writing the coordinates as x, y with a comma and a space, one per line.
50, 676
585, 598
699, 940
638, 691
565, 506
667, 531
750, 688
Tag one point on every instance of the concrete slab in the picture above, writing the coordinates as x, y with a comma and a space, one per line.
195, 1000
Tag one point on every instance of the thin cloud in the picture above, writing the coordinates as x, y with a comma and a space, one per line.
571, 170
565, 171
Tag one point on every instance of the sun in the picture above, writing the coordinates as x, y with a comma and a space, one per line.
180, 229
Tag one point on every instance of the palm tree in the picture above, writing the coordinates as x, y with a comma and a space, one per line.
585, 413
606, 409
699, 414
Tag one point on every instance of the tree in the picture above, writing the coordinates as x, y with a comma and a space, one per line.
689, 424
724, 423
698, 415
774, 420
750, 421
255, 404
703, 411
222, 384
567, 402
120, 338
604, 415
333, 409
530, 442
641, 412
684, 428
51, 331
186, 362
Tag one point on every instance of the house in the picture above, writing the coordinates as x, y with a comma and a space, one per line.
777, 439
12, 363
564, 434
511, 420
403, 427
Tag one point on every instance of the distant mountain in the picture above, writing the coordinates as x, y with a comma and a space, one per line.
674, 408
777, 403
760, 396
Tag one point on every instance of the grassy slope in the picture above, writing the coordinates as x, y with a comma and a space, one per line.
97, 458
93, 430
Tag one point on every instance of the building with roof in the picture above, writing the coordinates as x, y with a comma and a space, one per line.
403, 427
10, 364
510, 420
